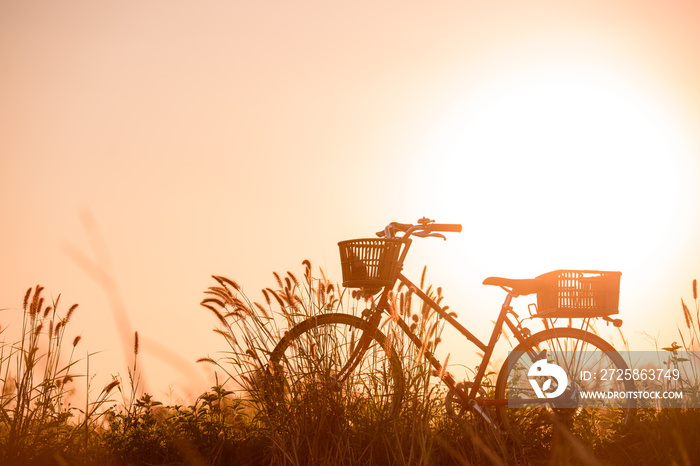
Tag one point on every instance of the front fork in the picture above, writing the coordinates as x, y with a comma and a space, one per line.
359, 350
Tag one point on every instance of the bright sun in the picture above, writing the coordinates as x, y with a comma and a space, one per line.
558, 167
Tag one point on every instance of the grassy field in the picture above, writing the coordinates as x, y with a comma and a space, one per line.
257, 413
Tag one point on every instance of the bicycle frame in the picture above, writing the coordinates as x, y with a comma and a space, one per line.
383, 305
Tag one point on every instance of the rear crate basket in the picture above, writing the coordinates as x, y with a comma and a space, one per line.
579, 294
370, 262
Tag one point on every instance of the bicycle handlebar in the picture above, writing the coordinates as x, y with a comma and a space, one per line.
424, 228
446, 227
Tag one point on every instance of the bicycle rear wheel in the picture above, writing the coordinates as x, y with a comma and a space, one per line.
590, 364
309, 359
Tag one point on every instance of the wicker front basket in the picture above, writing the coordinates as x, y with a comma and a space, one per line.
579, 294
370, 262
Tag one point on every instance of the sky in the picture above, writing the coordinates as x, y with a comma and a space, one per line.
157, 143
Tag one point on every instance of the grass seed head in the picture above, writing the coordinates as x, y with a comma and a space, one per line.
70, 312
307, 270
218, 302
226, 281
279, 280
35, 300
277, 298
267, 298
262, 309
110, 386
294, 279
26, 299
687, 315
216, 313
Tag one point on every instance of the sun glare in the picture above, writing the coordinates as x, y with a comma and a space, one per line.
559, 167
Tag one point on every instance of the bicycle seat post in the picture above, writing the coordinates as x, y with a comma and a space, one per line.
505, 307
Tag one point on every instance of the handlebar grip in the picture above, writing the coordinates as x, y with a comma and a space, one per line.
446, 227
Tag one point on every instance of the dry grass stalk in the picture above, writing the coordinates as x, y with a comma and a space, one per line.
35, 382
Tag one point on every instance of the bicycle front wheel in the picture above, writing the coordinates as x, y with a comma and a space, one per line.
590, 367
309, 360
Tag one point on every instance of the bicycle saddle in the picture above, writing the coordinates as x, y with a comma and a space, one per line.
520, 287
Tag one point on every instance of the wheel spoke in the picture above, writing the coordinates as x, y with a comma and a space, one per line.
312, 356
575, 351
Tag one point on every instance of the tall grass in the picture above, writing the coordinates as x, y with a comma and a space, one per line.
327, 427
326, 431
685, 357
244, 419
36, 381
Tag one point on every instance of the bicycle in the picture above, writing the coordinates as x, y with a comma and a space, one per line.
358, 361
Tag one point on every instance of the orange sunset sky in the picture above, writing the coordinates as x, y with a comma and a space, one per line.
162, 142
